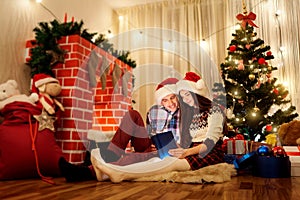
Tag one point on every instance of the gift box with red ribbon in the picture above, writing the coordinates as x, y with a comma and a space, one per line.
238, 147
294, 153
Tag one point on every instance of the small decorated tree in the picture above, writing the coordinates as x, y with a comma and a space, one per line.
256, 103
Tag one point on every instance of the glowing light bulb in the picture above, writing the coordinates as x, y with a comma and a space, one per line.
203, 44
278, 12
282, 48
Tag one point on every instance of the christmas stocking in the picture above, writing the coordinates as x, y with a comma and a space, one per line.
93, 63
116, 74
104, 71
125, 79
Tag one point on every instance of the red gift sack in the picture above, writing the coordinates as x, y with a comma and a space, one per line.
26, 152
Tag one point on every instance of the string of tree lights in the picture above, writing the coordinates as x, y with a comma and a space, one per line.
133, 26
256, 104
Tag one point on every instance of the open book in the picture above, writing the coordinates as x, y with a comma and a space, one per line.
163, 142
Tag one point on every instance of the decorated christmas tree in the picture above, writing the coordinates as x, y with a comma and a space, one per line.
256, 103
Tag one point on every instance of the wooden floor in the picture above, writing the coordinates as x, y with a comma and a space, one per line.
240, 187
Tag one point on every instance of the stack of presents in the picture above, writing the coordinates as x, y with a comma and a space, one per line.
279, 158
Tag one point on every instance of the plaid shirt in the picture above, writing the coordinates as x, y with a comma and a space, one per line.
161, 120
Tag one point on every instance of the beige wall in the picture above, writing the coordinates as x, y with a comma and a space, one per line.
19, 17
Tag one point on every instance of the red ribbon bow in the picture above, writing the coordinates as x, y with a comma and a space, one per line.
247, 19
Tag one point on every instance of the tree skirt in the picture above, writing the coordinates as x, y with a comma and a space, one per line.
217, 173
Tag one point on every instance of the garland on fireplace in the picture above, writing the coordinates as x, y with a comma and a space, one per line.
47, 52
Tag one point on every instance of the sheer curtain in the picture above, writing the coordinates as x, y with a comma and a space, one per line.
166, 40
172, 37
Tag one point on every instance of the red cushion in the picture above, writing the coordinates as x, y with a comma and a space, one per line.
17, 159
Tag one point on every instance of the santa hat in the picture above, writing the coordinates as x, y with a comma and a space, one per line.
40, 79
166, 87
193, 83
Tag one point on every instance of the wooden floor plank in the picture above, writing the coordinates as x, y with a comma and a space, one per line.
246, 187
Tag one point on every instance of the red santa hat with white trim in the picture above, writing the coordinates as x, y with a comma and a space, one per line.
193, 83
40, 79
166, 87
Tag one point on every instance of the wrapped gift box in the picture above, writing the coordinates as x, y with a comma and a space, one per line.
272, 167
238, 147
294, 153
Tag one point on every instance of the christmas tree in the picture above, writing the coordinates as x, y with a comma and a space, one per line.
256, 103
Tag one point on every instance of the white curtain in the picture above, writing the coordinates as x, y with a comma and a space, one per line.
165, 38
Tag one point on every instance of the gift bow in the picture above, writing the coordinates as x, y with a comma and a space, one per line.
271, 139
247, 19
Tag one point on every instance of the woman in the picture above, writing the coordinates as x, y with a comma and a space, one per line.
206, 128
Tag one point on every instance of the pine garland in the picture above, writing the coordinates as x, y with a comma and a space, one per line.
47, 52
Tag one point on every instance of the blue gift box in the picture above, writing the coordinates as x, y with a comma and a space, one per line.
264, 166
272, 167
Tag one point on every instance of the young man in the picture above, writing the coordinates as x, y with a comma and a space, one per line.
160, 118
164, 116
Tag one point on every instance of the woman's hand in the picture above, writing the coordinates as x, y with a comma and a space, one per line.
178, 153
182, 153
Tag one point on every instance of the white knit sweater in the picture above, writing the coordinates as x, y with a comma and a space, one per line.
207, 125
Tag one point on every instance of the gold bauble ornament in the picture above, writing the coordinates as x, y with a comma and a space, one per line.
256, 109
251, 77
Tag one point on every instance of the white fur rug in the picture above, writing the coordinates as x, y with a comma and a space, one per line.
217, 173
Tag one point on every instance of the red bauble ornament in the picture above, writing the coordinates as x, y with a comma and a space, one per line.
269, 53
279, 151
261, 61
269, 128
275, 91
232, 48
257, 86
241, 66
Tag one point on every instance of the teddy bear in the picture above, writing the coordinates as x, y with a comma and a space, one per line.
47, 89
289, 133
10, 93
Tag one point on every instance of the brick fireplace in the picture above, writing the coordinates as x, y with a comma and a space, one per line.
97, 109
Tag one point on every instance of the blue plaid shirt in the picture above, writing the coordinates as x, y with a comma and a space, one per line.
161, 120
